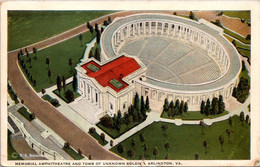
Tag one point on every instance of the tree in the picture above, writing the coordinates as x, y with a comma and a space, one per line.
247, 119
75, 83
43, 91
48, 62
174, 13
96, 27
79, 152
70, 64
166, 105
181, 110
234, 93
35, 51
191, 15
111, 143
49, 74
142, 138
136, 101
214, 104
167, 146
167, 156
207, 108
202, 107
69, 95
221, 105
248, 37
90, 53
64, 83
202, 126
89, 157
107, 121
145, 148
58, 83
164, 128
92, 130
147, 105
228, 131
221, 140
131, 153
133, 143
185, 107
102, 29
109, 19
230, 121
88, 25
81, 38
30, 62
242, 116
106, 22
97, 54
205, 144
234, 43
102, 137
155, 152
120, 148
196, 156
98, 35
143, 107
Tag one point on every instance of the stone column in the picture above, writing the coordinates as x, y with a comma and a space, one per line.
144, 27
174, 30
150, 26
139, 28
168, 31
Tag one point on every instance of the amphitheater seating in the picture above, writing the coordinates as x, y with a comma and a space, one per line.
172, 60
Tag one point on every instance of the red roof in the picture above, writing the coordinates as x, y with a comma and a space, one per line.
116, 69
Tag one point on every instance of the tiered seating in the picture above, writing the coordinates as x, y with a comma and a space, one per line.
204, 73
157, 71
133, 47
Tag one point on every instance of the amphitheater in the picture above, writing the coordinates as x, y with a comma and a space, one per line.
186, 59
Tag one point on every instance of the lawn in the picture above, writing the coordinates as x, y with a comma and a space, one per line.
28, 27
12, 154
49, 98
186, 140
193, 115
23, 111
97, 137
240, 38
239, 14
73, 153
62, 92
114, 133
59, 56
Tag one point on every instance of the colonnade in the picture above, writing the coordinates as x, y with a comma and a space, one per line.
175, 30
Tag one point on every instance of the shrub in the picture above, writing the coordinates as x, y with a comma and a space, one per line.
54, 102
69, 95
92, 130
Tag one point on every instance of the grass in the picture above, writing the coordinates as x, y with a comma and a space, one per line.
245, 75
62, 92
23, 111
186, 140
239, 14
114, 133
193, 115
59, 56
97, 137
73, 153
48, 98
240, 38
12, 153
28, 27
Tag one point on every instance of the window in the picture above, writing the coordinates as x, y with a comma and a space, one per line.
96, 97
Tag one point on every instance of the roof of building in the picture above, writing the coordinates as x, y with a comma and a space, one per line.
108, 73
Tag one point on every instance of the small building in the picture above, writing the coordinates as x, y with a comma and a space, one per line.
109, 86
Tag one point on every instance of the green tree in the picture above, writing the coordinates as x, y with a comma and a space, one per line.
69, 95
97, 54
155, 152
109, 19
167, 146
107, 121
70, 63
167, 157
81, 39
103, 137
145, 148
166, 105
247, 119
196, 156
242, 116
221, 105
147, 105
131, 153
75, 82
49, 74
164, 128
35, 53
221, 140
191, 15
30, 62
48, 62
120, 148
207, 108
230, 122
142, 138
90, 53
143, 107
234, 93
202, 107
58, 83
98, 36
228, 131
185, 107
133, 143
136, 102
64, 83
205, 144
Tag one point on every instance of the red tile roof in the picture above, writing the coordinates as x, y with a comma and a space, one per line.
116, 69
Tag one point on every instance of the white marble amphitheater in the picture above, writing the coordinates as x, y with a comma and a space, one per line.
185, 59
